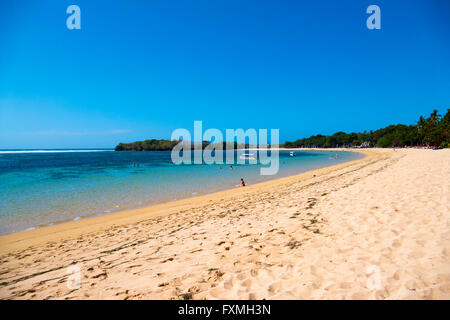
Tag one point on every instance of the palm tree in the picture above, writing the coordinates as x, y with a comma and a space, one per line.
434, 117
421, 128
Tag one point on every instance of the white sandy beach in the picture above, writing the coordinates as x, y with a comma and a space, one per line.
376, 228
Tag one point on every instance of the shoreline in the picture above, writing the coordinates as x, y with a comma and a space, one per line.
69, 229
372, 228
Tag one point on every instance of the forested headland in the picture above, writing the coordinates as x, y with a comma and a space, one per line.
164, 145
147, 145
432, 131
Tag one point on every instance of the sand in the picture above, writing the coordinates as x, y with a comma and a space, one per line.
376, 228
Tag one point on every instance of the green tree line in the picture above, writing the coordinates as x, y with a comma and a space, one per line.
147, 145
432, 131
164, 145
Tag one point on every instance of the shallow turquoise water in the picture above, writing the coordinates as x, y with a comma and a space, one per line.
42, 188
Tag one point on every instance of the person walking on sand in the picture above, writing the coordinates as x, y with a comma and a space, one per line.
242, 182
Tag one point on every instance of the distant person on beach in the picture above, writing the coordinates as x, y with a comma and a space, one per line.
242, 182
231, 167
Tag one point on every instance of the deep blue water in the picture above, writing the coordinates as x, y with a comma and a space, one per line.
42, 188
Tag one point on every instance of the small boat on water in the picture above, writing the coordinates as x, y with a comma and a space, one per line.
249, 156
292, 154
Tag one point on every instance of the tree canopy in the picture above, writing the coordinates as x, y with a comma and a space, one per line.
431, 131
147, 145
164, 145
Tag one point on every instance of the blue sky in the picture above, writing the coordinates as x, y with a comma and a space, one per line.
140, 69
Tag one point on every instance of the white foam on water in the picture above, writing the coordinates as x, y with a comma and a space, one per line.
49, 151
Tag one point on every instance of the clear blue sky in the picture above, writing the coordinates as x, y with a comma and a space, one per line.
140, 69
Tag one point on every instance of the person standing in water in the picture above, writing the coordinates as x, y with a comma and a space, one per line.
242, 182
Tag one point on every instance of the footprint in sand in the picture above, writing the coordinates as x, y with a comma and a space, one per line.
275, 288
247, 283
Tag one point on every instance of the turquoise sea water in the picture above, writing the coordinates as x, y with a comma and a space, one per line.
40, 188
